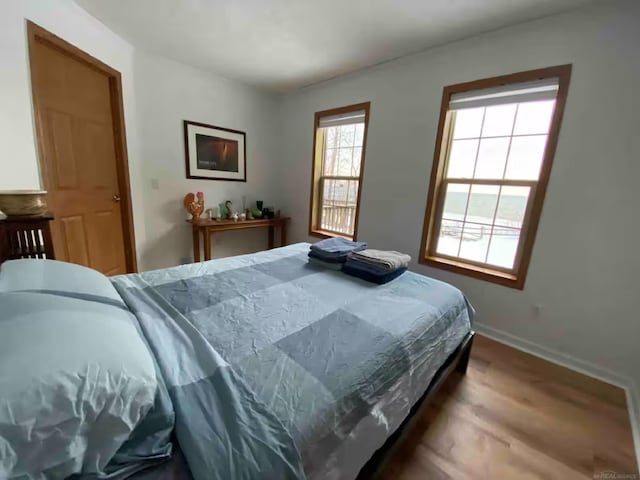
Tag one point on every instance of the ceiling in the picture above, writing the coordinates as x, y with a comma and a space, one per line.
280, 45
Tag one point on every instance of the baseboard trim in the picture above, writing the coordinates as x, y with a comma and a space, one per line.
553, 356
587, 368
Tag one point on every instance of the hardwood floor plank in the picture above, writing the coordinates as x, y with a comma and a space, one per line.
523, 362
516, 416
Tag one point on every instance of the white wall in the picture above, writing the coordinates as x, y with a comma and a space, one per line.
168, 93
19, 168
585, 267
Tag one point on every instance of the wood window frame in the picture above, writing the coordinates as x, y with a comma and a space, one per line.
315, 202
37, 34
437, 184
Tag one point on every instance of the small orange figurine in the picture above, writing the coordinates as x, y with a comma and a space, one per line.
194, 204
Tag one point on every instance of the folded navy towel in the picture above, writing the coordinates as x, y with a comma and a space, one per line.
337, 247
372, 268
354, 269
328, 258
321, 263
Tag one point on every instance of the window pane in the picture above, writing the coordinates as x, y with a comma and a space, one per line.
359, 134
352, 193
492, 157
482, 203
357, 160
525, 157
339, 205
498, 120
347, 135
512, 206
335, 192
455, 201
345, 159
504, 245
462, 158
327, 192
449, 239
330, 164
534, 117
468, 123
331, 135
475, 242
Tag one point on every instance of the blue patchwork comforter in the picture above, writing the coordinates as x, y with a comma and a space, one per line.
274, 365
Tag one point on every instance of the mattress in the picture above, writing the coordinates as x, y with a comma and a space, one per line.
338, 361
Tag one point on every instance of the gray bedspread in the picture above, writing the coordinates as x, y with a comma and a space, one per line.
287, 357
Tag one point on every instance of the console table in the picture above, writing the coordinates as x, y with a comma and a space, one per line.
207, 228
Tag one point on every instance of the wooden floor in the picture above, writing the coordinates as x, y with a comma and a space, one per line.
516, 416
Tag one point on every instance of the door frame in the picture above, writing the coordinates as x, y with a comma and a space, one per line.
37, 34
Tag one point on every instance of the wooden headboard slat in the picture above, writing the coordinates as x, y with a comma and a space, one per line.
26, 237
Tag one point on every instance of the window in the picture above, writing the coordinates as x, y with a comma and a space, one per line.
338, 163
494, 150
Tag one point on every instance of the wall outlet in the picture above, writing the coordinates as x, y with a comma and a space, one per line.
185, 260
155, 184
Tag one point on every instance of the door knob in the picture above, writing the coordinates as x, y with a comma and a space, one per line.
116, 198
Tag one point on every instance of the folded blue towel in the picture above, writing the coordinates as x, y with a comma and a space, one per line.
337, 247
318, 255
355, 269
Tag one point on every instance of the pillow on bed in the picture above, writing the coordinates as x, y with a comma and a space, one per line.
51, 276
76, 378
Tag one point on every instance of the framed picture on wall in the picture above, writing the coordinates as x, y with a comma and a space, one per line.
215, 153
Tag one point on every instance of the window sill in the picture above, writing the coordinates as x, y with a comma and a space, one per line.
482, 273
328, 234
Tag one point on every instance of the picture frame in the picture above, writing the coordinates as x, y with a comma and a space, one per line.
215, 153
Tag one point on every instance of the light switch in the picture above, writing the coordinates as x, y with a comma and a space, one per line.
155, 185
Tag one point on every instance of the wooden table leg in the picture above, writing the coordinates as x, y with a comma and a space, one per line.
270, 245
283, 234
196, 244
207, 244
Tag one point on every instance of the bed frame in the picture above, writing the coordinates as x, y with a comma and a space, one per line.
458, 361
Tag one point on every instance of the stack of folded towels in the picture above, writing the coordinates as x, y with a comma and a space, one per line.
333, 252
377, 266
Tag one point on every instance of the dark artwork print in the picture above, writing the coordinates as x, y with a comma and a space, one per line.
214, 153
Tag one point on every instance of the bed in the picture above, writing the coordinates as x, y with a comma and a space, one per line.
280, 369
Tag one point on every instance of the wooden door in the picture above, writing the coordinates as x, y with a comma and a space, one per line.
77, 119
